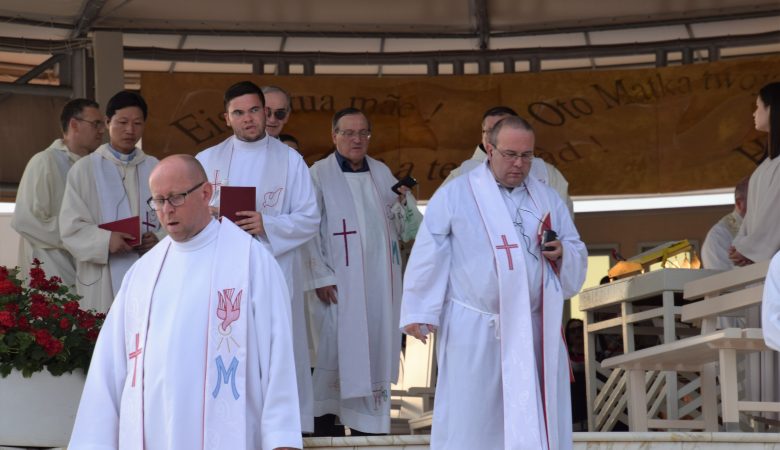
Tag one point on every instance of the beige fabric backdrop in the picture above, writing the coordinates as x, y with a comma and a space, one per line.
609, 132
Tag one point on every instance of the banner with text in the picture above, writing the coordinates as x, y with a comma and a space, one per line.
609, 132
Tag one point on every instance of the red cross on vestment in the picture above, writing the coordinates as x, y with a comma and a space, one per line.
135, 354
216, 182
344, 233
507, 247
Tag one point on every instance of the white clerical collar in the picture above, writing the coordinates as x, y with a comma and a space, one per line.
520, 189
250, 146
200, 240
125, 158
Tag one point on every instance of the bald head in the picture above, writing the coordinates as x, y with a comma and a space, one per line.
512, 122
741, 195
187, 164
174, 177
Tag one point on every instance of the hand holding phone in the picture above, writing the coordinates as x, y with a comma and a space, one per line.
407, 181
548, 236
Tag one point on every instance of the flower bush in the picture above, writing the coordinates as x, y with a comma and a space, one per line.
42, 326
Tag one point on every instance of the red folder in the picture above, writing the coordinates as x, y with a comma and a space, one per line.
233, 199
131, 225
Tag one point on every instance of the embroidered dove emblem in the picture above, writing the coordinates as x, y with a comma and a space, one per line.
227, 310
270, 199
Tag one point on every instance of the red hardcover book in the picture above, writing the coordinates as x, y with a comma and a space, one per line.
131, 225
233, 199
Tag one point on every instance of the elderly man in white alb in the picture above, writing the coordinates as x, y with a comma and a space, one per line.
196, 351
355, 266
715, 250
108, 185
39, 198
543, 171
486, 270
285, 215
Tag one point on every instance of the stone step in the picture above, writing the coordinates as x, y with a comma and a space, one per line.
582, 441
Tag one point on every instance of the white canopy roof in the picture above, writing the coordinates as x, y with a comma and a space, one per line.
383, 37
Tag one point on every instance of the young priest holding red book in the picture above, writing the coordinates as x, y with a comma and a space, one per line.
284, 215
104, 220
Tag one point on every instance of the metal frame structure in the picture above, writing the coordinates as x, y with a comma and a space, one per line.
72, 55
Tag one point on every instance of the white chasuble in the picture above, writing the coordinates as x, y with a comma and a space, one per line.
123, 189
196, 353
286, 199
759, 236
36, 216
770, 305
359, 350
473, 273
100, 189
715, 249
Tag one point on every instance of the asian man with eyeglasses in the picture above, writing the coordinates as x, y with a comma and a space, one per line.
109, 185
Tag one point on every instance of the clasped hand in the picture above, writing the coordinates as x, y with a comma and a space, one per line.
253, 224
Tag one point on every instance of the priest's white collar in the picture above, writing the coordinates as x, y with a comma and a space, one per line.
125, 158
200, 240
253, 146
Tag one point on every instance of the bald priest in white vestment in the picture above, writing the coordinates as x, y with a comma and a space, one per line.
355, 266
543, 171
196, 352
110, 184
478, 275
715, 249
39, 197
285, 216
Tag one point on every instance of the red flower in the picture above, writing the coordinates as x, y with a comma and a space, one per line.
22, 323
6, 319
42, 336
50, 345
46, 312
39, 309
92, 334
7, 287
37, 274
53, 347
87, 321
71, 307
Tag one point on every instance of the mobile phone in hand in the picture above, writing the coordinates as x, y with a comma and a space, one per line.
548, 236
407, 181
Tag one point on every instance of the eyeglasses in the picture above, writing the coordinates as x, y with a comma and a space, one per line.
512, 156
175, 200
96, 124
280, 114
349, 134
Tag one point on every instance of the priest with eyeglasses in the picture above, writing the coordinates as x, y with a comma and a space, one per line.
355, 271
196, 351
494, 259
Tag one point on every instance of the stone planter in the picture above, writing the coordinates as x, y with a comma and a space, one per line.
39, 411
